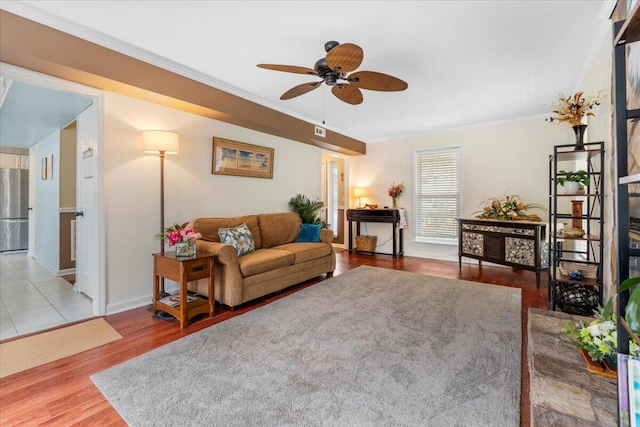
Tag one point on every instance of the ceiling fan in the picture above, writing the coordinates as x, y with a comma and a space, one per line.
340, 60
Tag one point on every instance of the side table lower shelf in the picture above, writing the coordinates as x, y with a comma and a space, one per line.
183, 270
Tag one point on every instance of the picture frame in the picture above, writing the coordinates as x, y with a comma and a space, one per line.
50, 166
43, 169
241, 159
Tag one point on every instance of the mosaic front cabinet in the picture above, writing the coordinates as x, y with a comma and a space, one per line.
518, 244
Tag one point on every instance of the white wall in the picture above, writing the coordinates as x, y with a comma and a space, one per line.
510, 157
48, 206
600, 128
132, 188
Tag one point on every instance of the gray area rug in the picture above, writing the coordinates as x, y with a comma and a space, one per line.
368, 347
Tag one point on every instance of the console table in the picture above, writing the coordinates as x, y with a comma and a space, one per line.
518, 244
390, 216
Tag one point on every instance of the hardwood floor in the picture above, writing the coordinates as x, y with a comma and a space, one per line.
61, 394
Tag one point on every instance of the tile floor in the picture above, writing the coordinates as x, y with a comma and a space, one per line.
33, 299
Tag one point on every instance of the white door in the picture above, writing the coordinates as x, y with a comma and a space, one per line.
331, 202
87, 229
33, 155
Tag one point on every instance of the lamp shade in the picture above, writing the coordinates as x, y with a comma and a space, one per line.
156, 141
359, 192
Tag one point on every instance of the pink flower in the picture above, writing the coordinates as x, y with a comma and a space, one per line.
396, 190
174, 237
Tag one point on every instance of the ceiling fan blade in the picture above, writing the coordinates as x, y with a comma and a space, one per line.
347, 93
289, 69
372, 80
345, 57
300, 90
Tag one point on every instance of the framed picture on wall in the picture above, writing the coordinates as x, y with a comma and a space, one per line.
50, 166
241, 159
43, 169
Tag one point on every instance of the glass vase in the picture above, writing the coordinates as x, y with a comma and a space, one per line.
396, 203
186, 249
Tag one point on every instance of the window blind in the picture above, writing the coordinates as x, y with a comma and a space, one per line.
437, 184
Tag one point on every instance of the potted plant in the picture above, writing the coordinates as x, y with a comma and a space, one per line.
308, 210
598, 339
573, 180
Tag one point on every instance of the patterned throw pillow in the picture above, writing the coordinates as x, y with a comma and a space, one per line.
239, 237
309, 233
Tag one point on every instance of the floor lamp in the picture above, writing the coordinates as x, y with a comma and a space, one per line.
160, 142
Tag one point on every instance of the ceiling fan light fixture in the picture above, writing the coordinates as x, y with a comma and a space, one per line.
321, 67
330, 79
330, 45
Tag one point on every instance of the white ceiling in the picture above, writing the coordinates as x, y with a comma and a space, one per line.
31, 113
466, 62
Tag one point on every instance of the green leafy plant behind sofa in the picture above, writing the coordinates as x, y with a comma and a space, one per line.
308, 210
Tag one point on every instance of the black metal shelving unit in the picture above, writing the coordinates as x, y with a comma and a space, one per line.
571, 252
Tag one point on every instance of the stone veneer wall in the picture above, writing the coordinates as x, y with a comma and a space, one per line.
562, 391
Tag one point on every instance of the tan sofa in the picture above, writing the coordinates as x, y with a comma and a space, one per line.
277, 262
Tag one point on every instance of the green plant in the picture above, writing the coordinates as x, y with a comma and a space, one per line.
581, 177
599, 337
632, 309
308, 210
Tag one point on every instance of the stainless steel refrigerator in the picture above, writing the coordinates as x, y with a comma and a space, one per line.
14, 204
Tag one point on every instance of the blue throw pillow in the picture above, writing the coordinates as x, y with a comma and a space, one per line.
239, 237
309, 233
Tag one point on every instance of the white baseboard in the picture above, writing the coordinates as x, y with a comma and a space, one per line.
139, 302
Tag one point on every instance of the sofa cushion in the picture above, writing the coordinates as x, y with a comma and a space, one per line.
309, 233
208, 227
279, 228
306, 251
264, 260
239, 237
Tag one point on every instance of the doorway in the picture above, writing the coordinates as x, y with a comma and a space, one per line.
21, 270
333, 194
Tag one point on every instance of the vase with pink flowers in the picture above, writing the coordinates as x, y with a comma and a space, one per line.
395, 191
182, 237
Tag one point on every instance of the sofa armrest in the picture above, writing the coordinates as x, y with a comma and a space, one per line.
326, 236
227, 271
224, 254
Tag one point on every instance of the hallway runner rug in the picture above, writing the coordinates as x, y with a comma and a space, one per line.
371, 346
35, 350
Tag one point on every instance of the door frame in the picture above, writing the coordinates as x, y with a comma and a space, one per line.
31, 246
43, 80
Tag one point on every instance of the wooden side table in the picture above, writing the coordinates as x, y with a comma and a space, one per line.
183, 270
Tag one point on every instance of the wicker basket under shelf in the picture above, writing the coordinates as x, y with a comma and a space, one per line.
366, 243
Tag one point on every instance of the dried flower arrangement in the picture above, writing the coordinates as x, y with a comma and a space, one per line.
573, 109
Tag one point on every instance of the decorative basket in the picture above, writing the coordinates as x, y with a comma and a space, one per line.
574, 298
366, 243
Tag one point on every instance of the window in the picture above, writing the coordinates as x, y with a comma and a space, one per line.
437, 184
